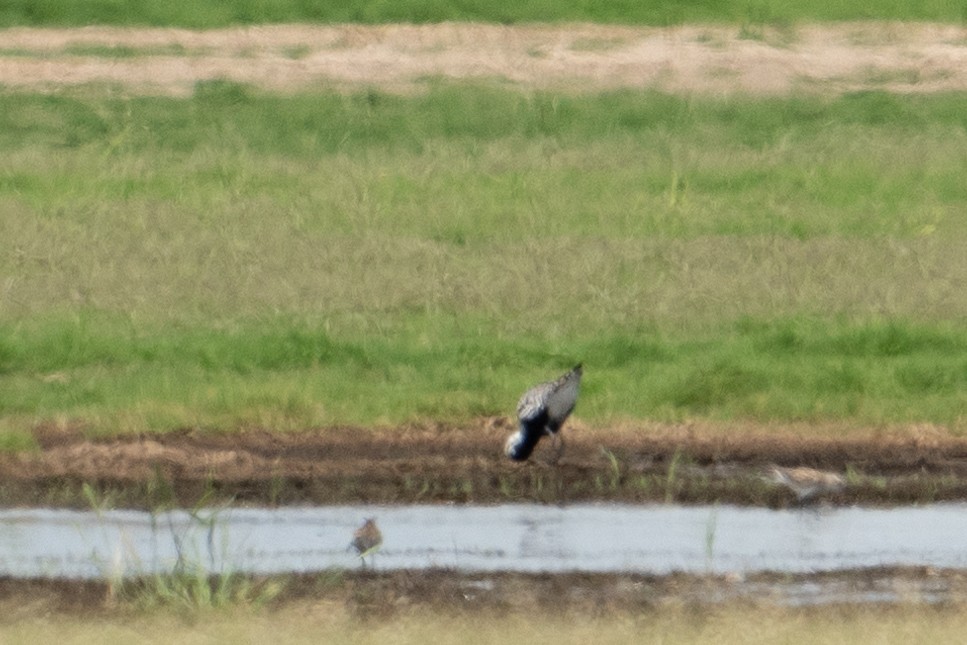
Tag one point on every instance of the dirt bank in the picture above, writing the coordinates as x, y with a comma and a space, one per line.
687, 59
370, 595
690, 463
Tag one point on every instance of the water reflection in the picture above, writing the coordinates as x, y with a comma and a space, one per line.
602, 538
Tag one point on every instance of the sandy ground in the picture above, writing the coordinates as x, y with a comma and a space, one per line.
687, 59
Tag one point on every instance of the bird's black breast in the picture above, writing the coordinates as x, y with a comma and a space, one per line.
530, 433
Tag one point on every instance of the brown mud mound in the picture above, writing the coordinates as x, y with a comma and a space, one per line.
692, 463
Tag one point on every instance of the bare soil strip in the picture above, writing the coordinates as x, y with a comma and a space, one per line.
373, 595
688, 463
828, 59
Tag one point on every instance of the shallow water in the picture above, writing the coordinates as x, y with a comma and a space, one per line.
596, 538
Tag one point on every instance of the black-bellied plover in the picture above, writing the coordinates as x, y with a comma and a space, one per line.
541, 411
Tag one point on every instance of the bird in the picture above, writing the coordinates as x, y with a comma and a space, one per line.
541, 411
367, 539
807, 482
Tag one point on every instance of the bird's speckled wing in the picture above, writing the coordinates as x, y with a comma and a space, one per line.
534, 401
561, 401
556, 398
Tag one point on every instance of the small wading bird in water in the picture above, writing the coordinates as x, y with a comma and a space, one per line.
367, 539
541, 411
807, 482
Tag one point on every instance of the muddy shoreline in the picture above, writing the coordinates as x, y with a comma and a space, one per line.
439, 463
368, 594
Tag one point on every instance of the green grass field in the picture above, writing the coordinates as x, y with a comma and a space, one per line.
216, 13
238, 259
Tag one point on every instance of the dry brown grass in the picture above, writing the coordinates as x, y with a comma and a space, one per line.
314, 622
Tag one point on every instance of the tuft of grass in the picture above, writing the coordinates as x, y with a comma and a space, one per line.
98, 500
193, 589
671, 477
614, 465
190, 585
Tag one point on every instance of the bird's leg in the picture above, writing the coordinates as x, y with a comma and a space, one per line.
559, 439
